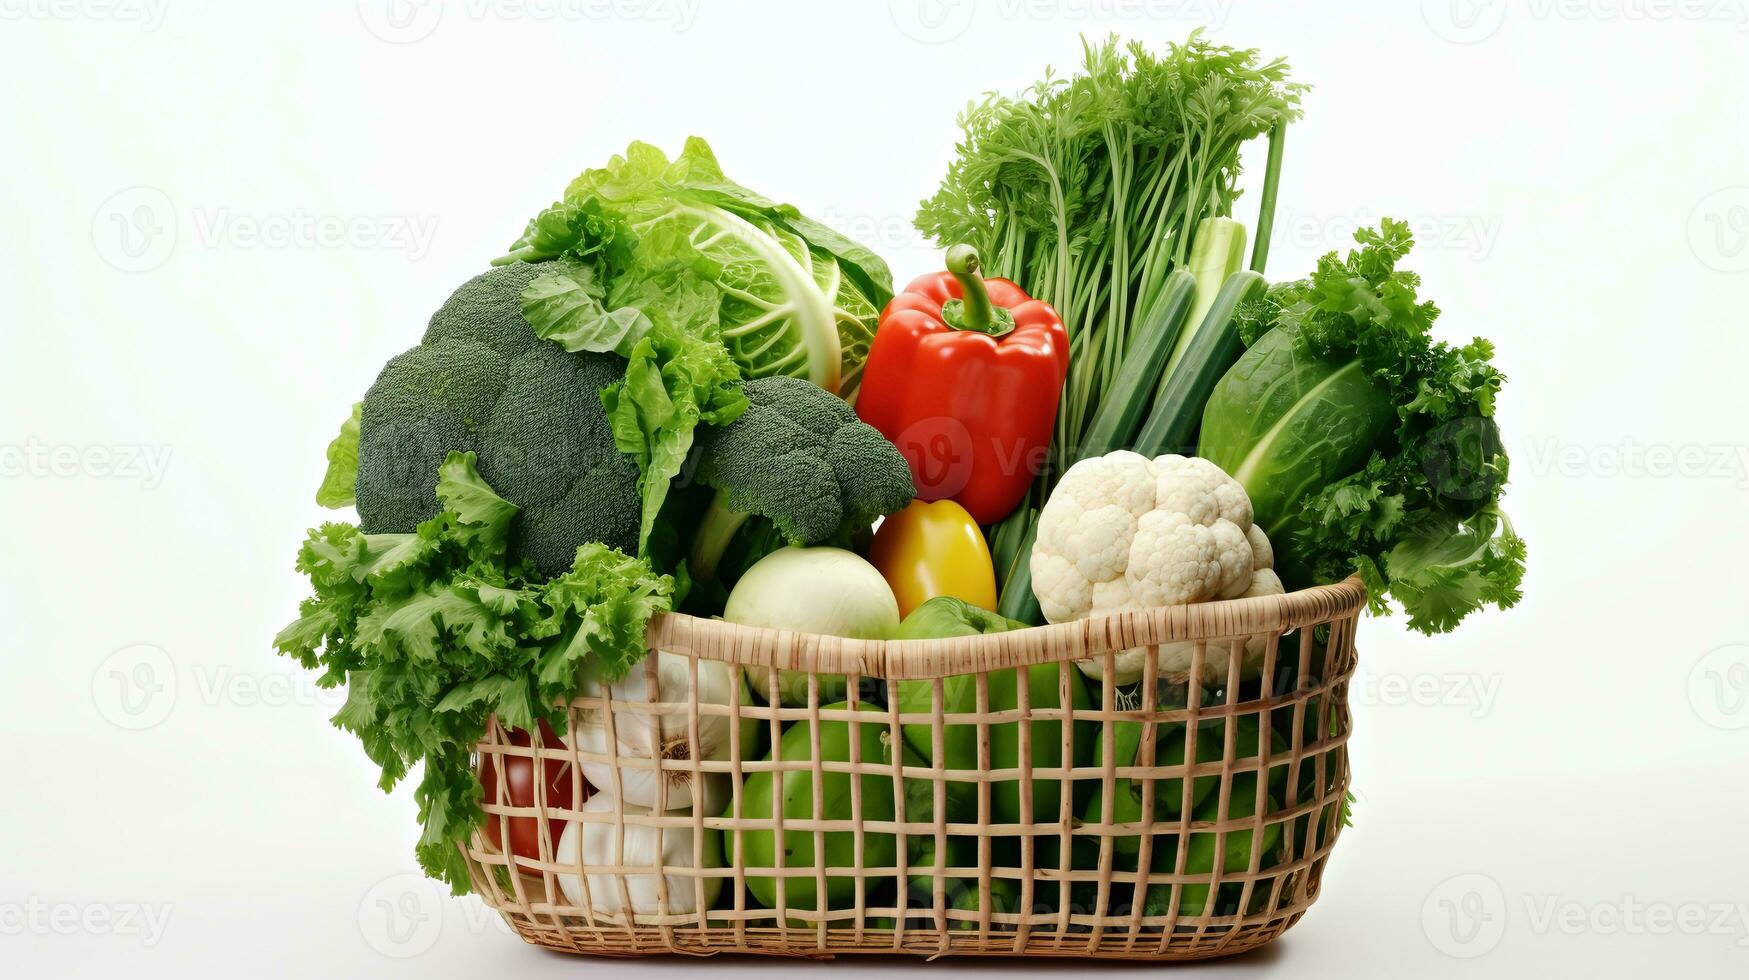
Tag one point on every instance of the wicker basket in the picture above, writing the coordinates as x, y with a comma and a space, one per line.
1071, 877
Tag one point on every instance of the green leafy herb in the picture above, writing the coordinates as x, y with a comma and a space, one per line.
436, 631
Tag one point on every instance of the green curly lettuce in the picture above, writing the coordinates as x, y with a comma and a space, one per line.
434, 632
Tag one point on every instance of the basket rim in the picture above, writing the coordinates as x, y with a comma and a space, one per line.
753, 646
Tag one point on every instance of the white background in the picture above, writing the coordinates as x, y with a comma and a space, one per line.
1567, 776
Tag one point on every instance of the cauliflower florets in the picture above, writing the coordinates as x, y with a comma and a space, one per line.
1123, 532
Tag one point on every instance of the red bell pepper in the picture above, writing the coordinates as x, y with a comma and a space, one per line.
964, 376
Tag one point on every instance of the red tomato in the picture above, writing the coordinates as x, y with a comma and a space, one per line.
519, 792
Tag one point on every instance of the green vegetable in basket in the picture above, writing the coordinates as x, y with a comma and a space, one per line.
1169, 745
760, 799
1045, 684
1367, 446
1231, 849
945, 616
959, 893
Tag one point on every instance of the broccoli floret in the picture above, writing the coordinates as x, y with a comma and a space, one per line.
425, 403
487, 309
484, 382
800, 458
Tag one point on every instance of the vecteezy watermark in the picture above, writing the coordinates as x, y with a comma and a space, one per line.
400, 21
298, 228
411, 21
1629, 916
148, 14
887, 232
218, 686
1474, 235
137, 687
1718, 230
134, 229
1718, 687
1472, 21
1467, 916
134, 688
138, 229
1633, 460
132, 920
402, 915
1475, 693
37, 460
941, 21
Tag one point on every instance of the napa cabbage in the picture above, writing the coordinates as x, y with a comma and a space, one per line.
679, 241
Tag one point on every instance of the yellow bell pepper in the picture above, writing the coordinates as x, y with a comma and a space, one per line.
932, 549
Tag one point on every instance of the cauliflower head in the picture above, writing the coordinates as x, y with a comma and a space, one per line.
1123, 532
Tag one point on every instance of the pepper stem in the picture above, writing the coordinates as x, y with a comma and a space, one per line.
974, 311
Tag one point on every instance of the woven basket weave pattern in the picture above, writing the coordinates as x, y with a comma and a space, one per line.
1070, 890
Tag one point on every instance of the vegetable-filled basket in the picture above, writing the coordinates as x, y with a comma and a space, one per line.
1058, 817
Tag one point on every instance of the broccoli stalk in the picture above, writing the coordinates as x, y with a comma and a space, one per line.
715, 530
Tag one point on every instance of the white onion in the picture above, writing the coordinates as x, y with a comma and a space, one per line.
828, 591
663, 732
644, 847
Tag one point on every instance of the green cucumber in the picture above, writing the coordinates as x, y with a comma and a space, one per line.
1209, 351
1113, 425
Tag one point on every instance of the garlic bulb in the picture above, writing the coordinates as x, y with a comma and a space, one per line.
644, 847
660, 730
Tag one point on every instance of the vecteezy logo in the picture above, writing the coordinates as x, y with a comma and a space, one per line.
1465, 916
940, 451
1464, 21
135, 687
401, 21
1718, 687
933, 21
1718, 230
135, 230
401, 916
